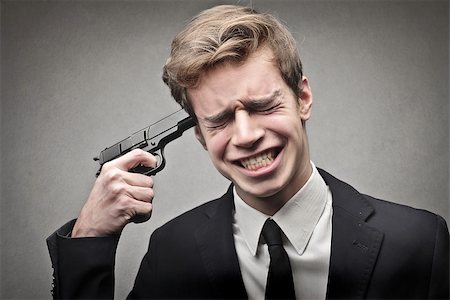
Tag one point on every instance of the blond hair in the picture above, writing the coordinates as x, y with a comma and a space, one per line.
227, 33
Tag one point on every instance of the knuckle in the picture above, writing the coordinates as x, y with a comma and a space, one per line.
106, 167
144, 156
138, 153
114, 175
118, 189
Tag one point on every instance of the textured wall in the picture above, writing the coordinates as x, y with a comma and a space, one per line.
78, 76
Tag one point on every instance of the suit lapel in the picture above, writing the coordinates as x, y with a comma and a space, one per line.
354, 248
354, 244
216, 246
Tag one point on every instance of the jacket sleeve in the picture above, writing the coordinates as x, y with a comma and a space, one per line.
439, 279
83, 268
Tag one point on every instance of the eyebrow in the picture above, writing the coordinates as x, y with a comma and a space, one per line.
250, 104
220, 117
262, 103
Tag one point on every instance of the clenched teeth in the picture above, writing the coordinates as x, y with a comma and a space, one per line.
258, 161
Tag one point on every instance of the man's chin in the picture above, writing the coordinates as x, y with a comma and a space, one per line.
257, 191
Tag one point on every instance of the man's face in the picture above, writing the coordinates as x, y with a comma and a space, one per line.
250, 122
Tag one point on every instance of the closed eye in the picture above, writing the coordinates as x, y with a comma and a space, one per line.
270, 109
216, 126
217, 121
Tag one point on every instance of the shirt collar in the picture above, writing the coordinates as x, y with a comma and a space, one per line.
297, 218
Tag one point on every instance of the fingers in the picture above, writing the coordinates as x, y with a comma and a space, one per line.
141, 193
120, 182
135, 158
129, 161
137, 186
142, 212
118, 197
118, 168
136, 179
135, 211
124, 184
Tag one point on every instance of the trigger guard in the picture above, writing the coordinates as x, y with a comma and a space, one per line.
150, 171
160, 163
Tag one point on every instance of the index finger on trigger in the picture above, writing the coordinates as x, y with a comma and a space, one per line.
135, 158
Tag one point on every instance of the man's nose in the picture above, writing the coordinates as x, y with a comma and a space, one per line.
247, 131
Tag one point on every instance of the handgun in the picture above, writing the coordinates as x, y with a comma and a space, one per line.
152, 139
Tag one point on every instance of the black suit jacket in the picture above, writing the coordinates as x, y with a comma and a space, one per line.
379, 250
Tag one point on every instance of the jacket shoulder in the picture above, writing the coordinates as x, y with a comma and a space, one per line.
189, 221
381, 213
410, 251
403, 217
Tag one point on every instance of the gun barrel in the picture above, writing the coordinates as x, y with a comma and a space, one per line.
187, 123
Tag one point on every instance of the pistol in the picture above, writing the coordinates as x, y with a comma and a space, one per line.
152, 139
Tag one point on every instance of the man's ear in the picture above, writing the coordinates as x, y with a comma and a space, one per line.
199, 136
305, 99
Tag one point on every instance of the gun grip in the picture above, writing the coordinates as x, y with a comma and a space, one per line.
140, 218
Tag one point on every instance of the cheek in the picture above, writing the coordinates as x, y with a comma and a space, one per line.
216, 146
283, 126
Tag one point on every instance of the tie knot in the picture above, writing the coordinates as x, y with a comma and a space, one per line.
272, 233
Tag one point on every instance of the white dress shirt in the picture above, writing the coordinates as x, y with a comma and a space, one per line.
306, 223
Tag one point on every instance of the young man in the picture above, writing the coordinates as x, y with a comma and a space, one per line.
239, 75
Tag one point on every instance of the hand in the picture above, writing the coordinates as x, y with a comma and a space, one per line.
118, 197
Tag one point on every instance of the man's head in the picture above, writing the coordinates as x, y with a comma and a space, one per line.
239, 74
227, 33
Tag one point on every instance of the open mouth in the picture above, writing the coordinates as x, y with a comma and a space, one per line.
260, 160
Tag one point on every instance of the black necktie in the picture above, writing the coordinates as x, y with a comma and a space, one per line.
280, 284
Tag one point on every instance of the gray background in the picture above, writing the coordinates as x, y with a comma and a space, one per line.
78, 76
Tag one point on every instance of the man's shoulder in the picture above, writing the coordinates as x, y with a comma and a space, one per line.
387, 215
398, 210
189, 221
392, 216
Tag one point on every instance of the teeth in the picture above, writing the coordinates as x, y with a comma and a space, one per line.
258, 161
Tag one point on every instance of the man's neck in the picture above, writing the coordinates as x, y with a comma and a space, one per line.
271, 204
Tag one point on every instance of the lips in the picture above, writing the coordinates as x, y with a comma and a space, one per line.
259, 160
